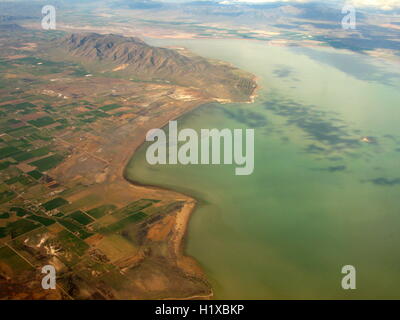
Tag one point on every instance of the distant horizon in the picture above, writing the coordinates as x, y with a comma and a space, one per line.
387, 5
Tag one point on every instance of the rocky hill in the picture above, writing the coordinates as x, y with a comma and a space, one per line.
134, 58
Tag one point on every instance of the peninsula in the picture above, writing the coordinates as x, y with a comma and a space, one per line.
87, 104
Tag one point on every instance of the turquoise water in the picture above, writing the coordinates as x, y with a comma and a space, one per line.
319, 197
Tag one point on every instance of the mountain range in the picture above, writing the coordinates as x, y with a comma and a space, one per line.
132, 57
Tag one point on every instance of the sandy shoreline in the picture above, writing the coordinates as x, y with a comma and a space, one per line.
182, 218
158, 266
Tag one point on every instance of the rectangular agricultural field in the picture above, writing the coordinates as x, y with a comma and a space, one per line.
101, 211
54, 203
48, 162
80, 217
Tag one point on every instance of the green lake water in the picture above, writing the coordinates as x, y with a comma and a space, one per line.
319, 197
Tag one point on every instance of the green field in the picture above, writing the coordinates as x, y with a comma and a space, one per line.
4, 165
8, 151
23, 156
44, 221
6, 196
101, 211
47, 163
134, 207
123, 223
74, 227
165, 209
16, 263
109, 107
19, 143
24, 180
35, 174
54, 203
19, 227
19, 211
19, 106
42, 122
80, 217
4, 215
22, 131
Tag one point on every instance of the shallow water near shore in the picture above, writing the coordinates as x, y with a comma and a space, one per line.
326, 185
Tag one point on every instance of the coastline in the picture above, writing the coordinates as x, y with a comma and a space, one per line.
158, 265
182, 219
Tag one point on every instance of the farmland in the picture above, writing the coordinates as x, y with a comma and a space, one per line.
69, 125
65, 140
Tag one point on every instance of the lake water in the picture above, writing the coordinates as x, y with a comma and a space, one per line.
319, 198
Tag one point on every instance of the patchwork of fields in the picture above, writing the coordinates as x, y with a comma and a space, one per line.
65, 138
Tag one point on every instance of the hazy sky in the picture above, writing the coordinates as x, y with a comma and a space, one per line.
381, 4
